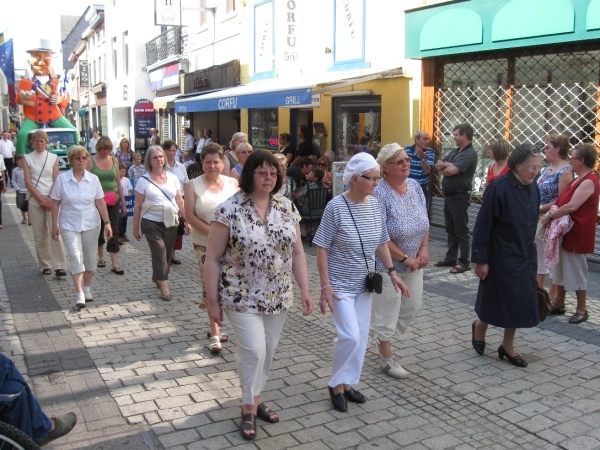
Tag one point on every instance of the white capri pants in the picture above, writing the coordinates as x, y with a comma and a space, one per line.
351, 317
391, 310
82, 247
257, 337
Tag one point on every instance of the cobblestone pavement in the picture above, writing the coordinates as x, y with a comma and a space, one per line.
137, 372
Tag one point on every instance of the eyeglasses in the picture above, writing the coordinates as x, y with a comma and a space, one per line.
400, 162
371, 179
264, 174
574, 157
80, 158
533, 169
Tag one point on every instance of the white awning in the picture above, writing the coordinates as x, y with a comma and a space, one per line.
162, 102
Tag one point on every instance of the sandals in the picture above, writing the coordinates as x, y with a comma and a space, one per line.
248, 424
117, 270
557, 310
60, 272
579, 317
223, 337
460, 268
24, 222
47, 272
101, 263
444, 263
264, 413
215, 345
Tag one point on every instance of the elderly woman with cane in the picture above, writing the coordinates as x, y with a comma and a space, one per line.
351, 232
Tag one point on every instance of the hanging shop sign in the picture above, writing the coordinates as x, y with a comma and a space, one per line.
349, 30
84, 74
167, 12
263, 37
143, 118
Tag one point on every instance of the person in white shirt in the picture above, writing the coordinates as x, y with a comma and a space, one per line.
2, 187
93, 140
18, 184
189, 139
77, 197
7, 150
127, 190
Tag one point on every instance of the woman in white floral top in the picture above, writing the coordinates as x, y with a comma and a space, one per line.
254, 245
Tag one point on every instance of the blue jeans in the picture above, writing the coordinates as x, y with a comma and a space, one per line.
24, 412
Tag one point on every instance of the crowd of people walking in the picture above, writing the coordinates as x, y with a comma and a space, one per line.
243, 208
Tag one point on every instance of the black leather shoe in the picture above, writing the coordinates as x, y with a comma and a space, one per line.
338, 401
514, 360
479, 346
354, 396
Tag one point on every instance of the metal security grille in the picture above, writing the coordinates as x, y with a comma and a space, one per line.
521, 95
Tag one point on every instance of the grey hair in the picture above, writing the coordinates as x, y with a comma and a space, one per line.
153, 149
241, 146
280, 157
521, 154
235, 137
417, 135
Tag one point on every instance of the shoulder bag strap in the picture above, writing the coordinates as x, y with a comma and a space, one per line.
40, 176
357, 232
161, 191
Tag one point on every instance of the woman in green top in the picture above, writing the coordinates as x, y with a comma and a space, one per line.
106, 168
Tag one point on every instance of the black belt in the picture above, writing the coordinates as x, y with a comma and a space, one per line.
450, 194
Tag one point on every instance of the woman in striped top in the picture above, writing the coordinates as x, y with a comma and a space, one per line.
351, 232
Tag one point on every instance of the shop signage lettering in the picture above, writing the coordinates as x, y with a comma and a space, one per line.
84, 74
349, 37
293, 100
165, 77
289, 27
263, 37
228, 103
144, 118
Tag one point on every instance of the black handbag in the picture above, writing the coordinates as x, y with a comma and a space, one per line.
374, 280
181, 227
24, 206
544, 302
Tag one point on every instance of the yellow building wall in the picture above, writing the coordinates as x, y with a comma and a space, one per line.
396, 105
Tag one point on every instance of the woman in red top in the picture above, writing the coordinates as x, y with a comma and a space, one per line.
580, 200
499, 152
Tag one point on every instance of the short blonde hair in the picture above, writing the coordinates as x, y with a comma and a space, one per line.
76, 150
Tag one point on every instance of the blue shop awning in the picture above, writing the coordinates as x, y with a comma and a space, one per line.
254, 95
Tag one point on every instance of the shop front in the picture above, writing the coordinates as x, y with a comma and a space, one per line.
523, 70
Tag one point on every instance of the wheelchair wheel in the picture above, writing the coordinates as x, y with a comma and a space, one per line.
12, 438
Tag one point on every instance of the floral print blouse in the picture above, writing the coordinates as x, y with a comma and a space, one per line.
256, 268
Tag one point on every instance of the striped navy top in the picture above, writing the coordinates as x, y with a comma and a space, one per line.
336, 233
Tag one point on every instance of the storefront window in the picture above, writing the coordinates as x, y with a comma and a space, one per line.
355, 117
264, 128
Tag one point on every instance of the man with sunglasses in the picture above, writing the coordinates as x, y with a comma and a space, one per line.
458, 168
422, 160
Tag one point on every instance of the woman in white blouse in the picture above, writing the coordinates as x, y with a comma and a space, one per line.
176, 168
77, 197
158, 204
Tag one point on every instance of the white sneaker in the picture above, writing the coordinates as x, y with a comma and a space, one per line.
80, 303
88, 295
393, 369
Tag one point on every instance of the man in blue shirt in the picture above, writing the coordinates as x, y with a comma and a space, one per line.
422, 161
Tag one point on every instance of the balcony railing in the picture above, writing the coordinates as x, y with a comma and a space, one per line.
167, 44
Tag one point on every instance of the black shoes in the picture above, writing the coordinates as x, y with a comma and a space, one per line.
354, 396
479, 346
514, 360
338, 401
62, 425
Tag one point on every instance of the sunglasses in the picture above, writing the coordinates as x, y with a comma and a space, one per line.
400, 162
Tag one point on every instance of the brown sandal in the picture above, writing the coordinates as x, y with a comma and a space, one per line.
263, 412
248, 424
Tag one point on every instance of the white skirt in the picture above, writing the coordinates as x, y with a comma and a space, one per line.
571, 272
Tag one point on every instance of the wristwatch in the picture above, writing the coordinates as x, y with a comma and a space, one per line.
390, 270
404, 259
107, 222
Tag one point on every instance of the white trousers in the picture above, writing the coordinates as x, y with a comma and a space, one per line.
50, 253
351, 317
391, 310
82, 247
257, 337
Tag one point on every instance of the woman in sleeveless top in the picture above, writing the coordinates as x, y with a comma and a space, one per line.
242, 151
499, 152
202, 195
580, 201
106, 168
230, 157
39, 171
551, 183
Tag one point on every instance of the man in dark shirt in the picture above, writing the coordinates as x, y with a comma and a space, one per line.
306, 147
422, 160
299, 170
458, 168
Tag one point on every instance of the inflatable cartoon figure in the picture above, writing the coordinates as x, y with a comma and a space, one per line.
43, 104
